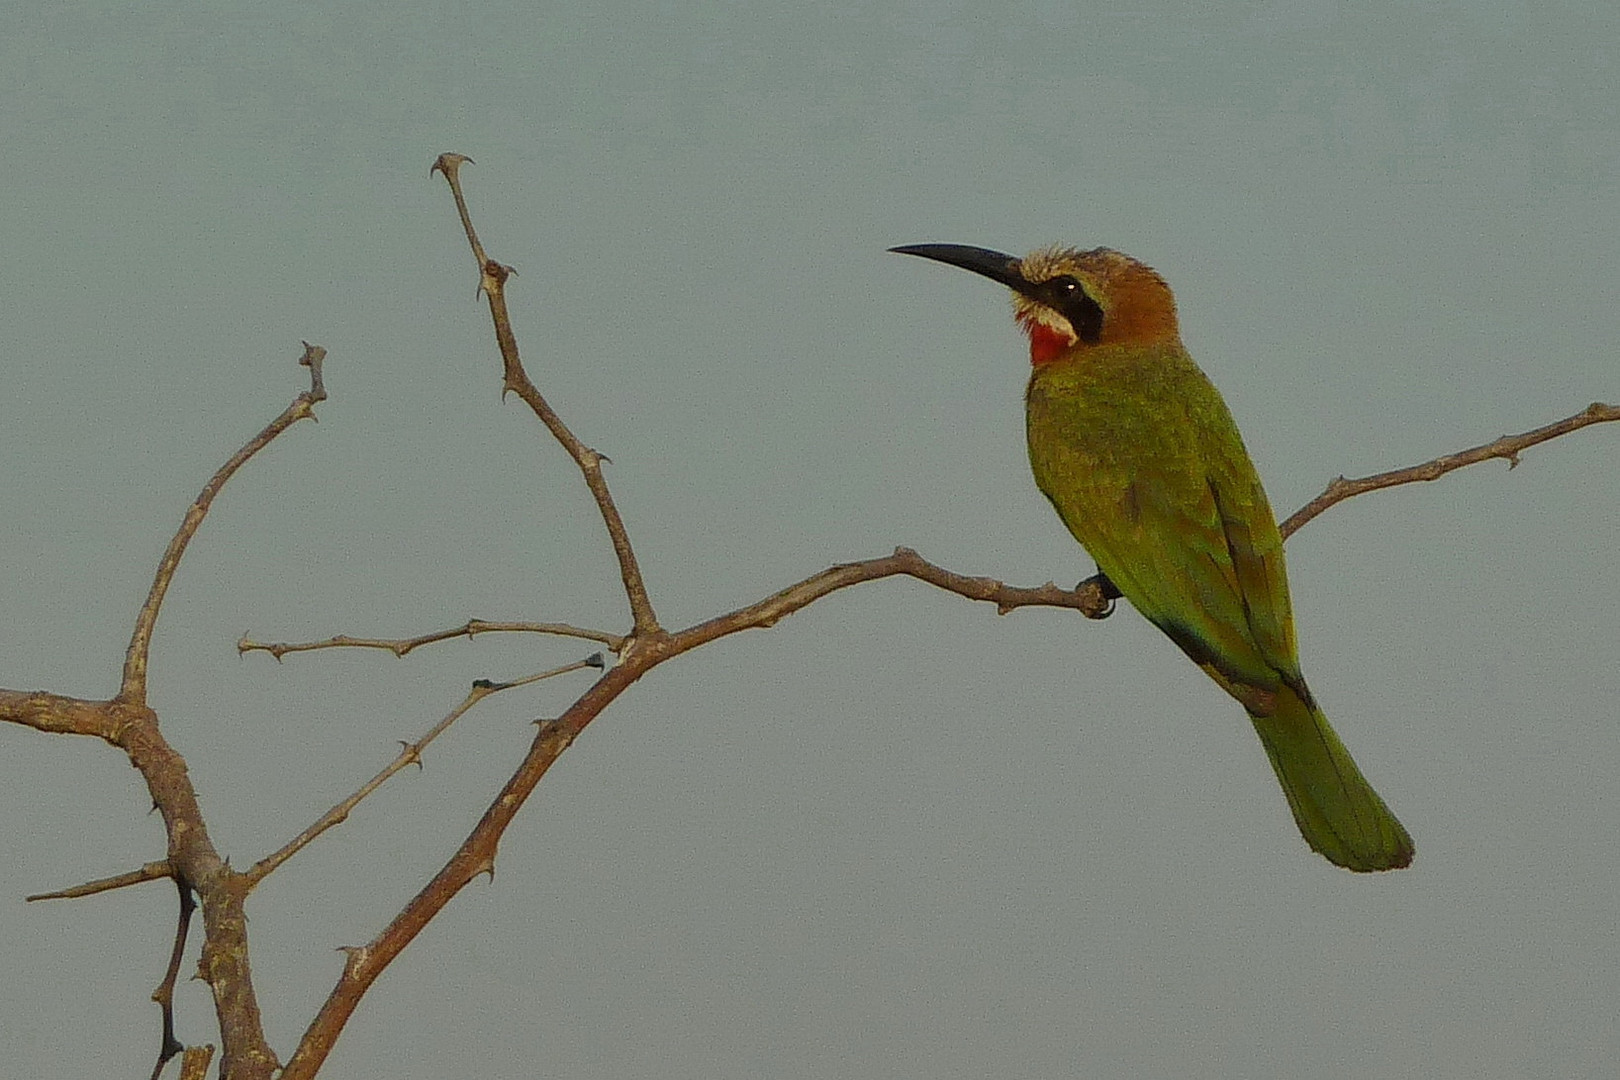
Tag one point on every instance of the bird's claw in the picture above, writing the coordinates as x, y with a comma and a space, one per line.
1110, 592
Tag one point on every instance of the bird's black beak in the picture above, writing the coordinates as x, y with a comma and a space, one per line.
992, 264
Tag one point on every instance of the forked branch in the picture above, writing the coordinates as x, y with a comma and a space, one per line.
492, 282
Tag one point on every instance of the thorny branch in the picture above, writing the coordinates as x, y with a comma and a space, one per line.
140, 643
493, 285
402, 646
150, 872
164, 994
1508, 447
409, 754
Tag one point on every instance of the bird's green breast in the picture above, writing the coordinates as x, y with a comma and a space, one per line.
1110, 420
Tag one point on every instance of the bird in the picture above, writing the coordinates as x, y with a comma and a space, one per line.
1138, 453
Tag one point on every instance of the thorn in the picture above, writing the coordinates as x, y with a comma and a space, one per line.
1513, 460
544, 722
596, 660
354, 955
448, 163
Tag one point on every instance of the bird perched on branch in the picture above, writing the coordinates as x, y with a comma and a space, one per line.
1136, 450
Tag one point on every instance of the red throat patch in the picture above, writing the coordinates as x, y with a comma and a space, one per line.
1045, 343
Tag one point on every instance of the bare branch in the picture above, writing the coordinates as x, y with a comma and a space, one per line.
493, 282
450, 165
192, 859
152, 871
475, 856
1087, 598
164, 994
1508, 447
402, 646
134, 683
410, 754
57, 714
595, 660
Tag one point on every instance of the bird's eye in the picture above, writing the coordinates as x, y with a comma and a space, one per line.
1072, 301
1065, 290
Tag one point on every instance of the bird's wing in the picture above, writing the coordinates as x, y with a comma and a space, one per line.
1259, 570
1194, 547
1146, 466
1188, 568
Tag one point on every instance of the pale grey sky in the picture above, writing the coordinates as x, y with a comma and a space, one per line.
896, 835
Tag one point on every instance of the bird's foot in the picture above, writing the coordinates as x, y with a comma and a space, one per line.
1110, 592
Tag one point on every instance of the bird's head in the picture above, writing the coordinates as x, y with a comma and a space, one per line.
1068, 300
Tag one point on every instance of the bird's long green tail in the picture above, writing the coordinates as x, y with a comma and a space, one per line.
1338, 812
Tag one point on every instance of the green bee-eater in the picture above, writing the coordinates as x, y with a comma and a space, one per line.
1136, 450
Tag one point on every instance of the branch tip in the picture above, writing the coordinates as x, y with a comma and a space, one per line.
152, 871
132, 689
449, 164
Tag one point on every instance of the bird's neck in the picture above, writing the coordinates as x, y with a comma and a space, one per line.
1046, 343
1050, 344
